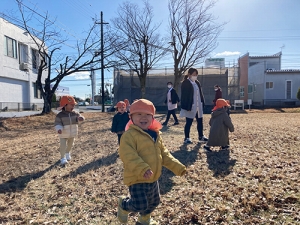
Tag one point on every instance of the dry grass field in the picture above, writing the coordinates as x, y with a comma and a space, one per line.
256, 182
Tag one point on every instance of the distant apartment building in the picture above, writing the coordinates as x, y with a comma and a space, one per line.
215, 63
264, 82
19, 61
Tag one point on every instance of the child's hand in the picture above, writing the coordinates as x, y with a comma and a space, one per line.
148, 174
80, 118
59, 131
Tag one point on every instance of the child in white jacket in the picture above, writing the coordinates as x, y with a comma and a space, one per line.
66, 125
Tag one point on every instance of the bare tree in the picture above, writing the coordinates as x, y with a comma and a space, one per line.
51, 61
139, 37
193, 33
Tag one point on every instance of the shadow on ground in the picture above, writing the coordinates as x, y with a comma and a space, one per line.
220, 163
19, 183
94, 165
186, 157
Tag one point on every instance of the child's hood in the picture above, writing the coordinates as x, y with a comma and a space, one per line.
155, 125
218, 112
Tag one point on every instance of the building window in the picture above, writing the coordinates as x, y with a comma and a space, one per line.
23, 53
242, 91
269, 85
11, 47
250, 87
34, 59
37, 92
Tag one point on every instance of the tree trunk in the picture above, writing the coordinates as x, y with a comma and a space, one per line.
177, 78
177, 81
143, 86
47, 103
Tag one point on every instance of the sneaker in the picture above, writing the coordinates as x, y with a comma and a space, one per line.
122, 214
207, 148
63, 161
226, 147
176, 123
146, 220
187, 141
165, 123
203, 139
68, 156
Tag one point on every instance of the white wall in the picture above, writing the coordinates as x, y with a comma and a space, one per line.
272, 62
279, 82
10, 89
256, 77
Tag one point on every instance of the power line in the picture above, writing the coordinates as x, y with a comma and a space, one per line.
271, 30
87, 79
55, 24
79, 8
259, 38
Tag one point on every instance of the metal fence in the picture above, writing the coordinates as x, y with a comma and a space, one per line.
20, 106
127, 84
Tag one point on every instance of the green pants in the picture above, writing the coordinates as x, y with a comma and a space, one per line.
66, 145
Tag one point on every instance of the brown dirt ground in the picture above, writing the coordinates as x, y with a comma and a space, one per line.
256, 182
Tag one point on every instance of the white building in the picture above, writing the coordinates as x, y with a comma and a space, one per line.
19, 60
264, 82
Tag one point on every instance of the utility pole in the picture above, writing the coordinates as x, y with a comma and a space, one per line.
93, 84
102, 59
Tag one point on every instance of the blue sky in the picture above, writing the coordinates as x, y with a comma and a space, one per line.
260, 27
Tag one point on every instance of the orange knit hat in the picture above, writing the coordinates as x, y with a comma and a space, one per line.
64, 100
220, 104
126, 102
142, 106
120, 104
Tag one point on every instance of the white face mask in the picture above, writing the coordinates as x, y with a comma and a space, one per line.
216, 89
169, 86
193, 78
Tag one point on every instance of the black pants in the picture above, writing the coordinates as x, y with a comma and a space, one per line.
188, 124
119, 138
173, 113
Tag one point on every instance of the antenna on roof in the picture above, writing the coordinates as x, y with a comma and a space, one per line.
282, 47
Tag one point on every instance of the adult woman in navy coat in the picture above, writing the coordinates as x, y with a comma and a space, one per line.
192, 103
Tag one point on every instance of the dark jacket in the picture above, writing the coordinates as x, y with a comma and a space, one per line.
219, 123
218, 95
174, 97
119, 122
187, 94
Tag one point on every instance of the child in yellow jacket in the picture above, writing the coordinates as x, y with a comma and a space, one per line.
143, 155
